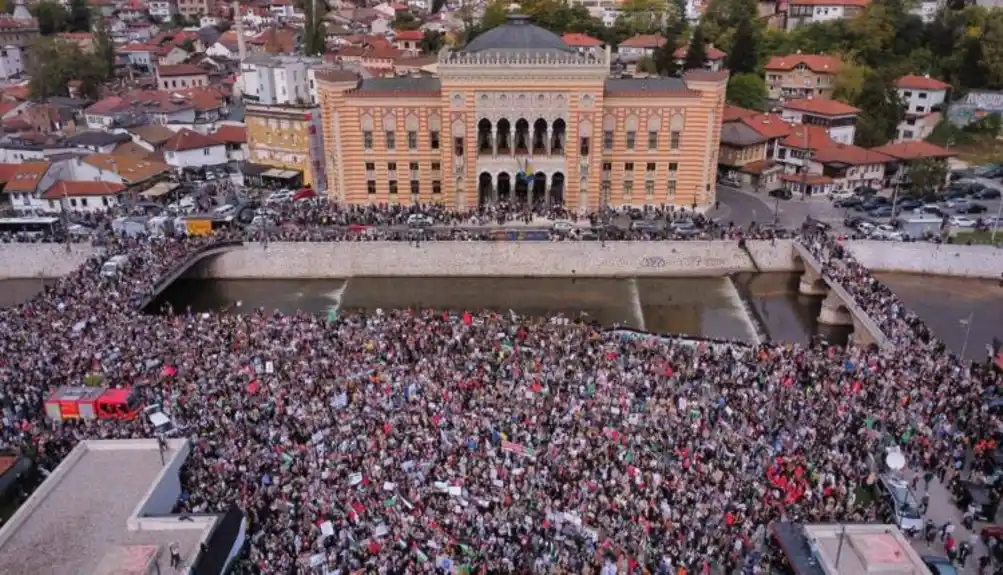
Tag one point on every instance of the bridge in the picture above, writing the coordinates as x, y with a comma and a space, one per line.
838, 307
179, 270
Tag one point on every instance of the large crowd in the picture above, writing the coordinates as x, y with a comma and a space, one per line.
416, 440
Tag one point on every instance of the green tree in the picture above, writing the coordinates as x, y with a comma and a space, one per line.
406, 21
881, 111
927, 174
696, 55
647, 65
495, 14
850, 80
314, 28
51, 17
55, 62
743, 55
104, 48
79, 19
747, 91
432, 42
664, 57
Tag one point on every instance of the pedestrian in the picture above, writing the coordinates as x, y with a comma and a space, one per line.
924, 502
175, 550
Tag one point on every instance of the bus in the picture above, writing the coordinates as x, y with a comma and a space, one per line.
33, 226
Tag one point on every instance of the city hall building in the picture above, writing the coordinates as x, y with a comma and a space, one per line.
517, 115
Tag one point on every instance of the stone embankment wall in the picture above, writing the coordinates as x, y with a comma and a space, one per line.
23, 261
487, 259
930, 259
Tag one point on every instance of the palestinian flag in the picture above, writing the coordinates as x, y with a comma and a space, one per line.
518, 449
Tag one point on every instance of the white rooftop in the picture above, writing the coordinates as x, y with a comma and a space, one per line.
94, 514
866, 550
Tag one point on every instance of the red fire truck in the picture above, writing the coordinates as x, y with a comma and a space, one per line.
92, 403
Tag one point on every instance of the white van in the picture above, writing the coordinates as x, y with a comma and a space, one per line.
905, 506
113, 267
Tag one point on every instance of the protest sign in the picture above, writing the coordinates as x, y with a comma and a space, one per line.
355, 479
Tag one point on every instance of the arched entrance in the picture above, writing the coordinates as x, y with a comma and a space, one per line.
504, 137
539, 188
540, 136
557, 189
522, 189
504, 187
521, 137
558, 138
484, 137
485, 189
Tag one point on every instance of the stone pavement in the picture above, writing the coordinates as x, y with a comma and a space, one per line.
941, 510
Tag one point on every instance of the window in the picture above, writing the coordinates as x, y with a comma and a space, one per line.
414, 170
920, 109
414, 187
436, 187
672, 189
73, 202
921, 95
83, 202
906, 135
907, 94
630, 140
650, 168
673, 168
412, 141
652, 140
607, 167
649, 191
628, 166
367, 141
607, 141
371, 187
433, 139
436, 166
628, 189
458, 146
583, 150
104, 200
393, 187
370, 167
391, 141
674, 140
391, 166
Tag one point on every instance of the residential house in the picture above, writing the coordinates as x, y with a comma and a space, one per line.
803, 12
12, 63
51, 117
22, 187
163, 10
418, 66
187, 150
715, 58
906, 154
283, 9
795, 152
580, 41
275, 40
128, 171
181, 76
748, 148
927, 10
171, 55
924, 98
151, 137
95, 141
194, 9
80, 196
644, 45
235, 139
409, 41
374, 59
141, 31
141, 56
801, 76
279, 80
850, 167
838, 119
132, 11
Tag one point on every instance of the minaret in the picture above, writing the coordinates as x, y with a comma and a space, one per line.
241, 46
21, 12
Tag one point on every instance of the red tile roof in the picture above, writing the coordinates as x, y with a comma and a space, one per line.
136, 47
7, 107
852, 155
816, 63
643, 41
8, 171
913, 82
821, 106
27, 176
732, 113
757, 167
857, 3
808, 137
712, 53
578, 40
914, 150
768, 125
65, 188
413, 35
231, 134
185, 139
180, 70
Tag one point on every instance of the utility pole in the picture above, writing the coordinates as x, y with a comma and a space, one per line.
65, 219
839, 550
807, 159
996, 223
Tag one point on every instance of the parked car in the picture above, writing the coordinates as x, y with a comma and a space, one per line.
851, 202
865, 227
279, 197
562, 226
854, 221
986, 194
971, 208
962, 222
887, 232
931, 209
908, 204
875, 201
865, 191
903, 503
939, 565
841, 195
781, 193
881, 212
955, 203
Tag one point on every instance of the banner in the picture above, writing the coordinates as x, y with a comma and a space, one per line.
518, 449
198, 227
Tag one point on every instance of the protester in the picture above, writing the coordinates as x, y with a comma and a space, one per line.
404, 440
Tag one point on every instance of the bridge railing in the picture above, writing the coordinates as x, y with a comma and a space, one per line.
175, 272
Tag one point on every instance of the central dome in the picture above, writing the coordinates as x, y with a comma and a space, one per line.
517, 34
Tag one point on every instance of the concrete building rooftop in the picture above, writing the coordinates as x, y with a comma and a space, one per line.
82, 520
866, 549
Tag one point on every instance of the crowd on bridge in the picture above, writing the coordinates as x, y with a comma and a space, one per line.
419, 440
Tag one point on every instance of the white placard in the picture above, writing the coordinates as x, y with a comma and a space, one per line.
381, 530
455, 490
441, 485
269, 367
317, 560
327, 529
355, 479
388, 486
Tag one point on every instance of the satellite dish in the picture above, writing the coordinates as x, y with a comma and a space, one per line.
895, 460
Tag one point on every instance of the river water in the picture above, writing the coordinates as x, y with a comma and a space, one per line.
731, 308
